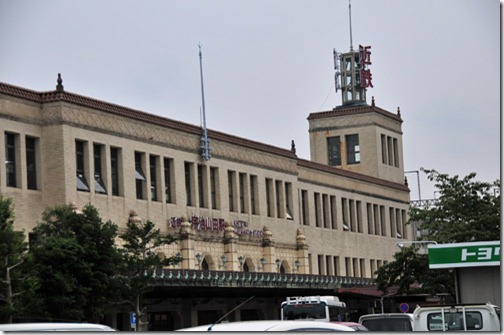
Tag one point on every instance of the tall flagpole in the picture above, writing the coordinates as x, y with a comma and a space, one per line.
205, 142
350, 17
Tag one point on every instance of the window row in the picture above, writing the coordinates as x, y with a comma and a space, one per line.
325, 213
15, 175
390, 150
155, 174
352, 267
334, 150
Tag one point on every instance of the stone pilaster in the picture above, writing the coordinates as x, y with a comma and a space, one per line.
187, 245
302, 252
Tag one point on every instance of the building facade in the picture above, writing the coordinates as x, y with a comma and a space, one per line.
252, 208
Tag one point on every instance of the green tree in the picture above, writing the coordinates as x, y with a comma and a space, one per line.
141, 243
76, 259
15, 286
467, 210
410, 268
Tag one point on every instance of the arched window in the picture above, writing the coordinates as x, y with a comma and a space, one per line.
204, 265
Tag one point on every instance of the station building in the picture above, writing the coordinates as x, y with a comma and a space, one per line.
254, 219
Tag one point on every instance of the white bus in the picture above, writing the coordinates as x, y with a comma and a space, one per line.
319, 308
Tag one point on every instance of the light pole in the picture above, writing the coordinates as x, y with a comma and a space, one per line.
418, 181
278, 263
241, 260
223, 259
198, 259
263, 262
297, 264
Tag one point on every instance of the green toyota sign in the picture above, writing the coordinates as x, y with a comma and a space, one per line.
456, 255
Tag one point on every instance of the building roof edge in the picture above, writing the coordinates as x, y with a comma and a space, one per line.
65, 96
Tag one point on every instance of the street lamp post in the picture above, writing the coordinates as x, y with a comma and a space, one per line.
418, 181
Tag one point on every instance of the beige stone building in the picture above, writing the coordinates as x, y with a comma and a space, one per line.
251, 208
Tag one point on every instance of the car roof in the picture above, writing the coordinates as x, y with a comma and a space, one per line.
54, 326
271, 325
354, 325
385, 315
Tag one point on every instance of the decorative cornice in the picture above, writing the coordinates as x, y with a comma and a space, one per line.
344, 111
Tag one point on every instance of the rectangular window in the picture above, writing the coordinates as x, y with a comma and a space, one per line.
280, 207
399, 224
10, 159
168, 180
289, 215
358, 209
376, 213
154, 179
384, 149
189, 183
243, 193
403, 219
351, 208
31, 162
362, 266
214, 189
348, 266
333, 151
140, 180
202, 187
372, 263
80, 154
304, 208
254, 204
382, 221
99, 184
390, 149
325, 210
370, 218
328, 263
269, 197
232, 191
336, 266
392, 221
396, 152
353, 149
332, 201
114, 170
344, 212
355, 264
321, 267
316, 200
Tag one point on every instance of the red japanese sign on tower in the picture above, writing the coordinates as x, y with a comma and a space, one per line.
364, 60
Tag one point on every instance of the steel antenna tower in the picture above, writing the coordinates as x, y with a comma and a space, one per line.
205, 142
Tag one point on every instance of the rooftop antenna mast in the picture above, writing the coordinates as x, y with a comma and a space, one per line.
205, 142
350, 17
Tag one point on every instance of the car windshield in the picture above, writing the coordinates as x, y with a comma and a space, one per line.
304, 311
388, 324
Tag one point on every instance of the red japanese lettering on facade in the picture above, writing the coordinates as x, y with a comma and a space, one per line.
365, 59
364, 55
366, 78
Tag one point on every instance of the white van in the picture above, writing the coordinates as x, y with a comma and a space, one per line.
389, 322
53, 326
483, 317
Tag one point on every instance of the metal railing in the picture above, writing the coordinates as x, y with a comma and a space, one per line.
202, 278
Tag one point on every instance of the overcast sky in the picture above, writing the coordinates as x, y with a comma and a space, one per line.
268, 64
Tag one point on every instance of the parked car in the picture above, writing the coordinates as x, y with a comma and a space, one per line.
354, 325
388, 322
482, 317
270, 325
54, 326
